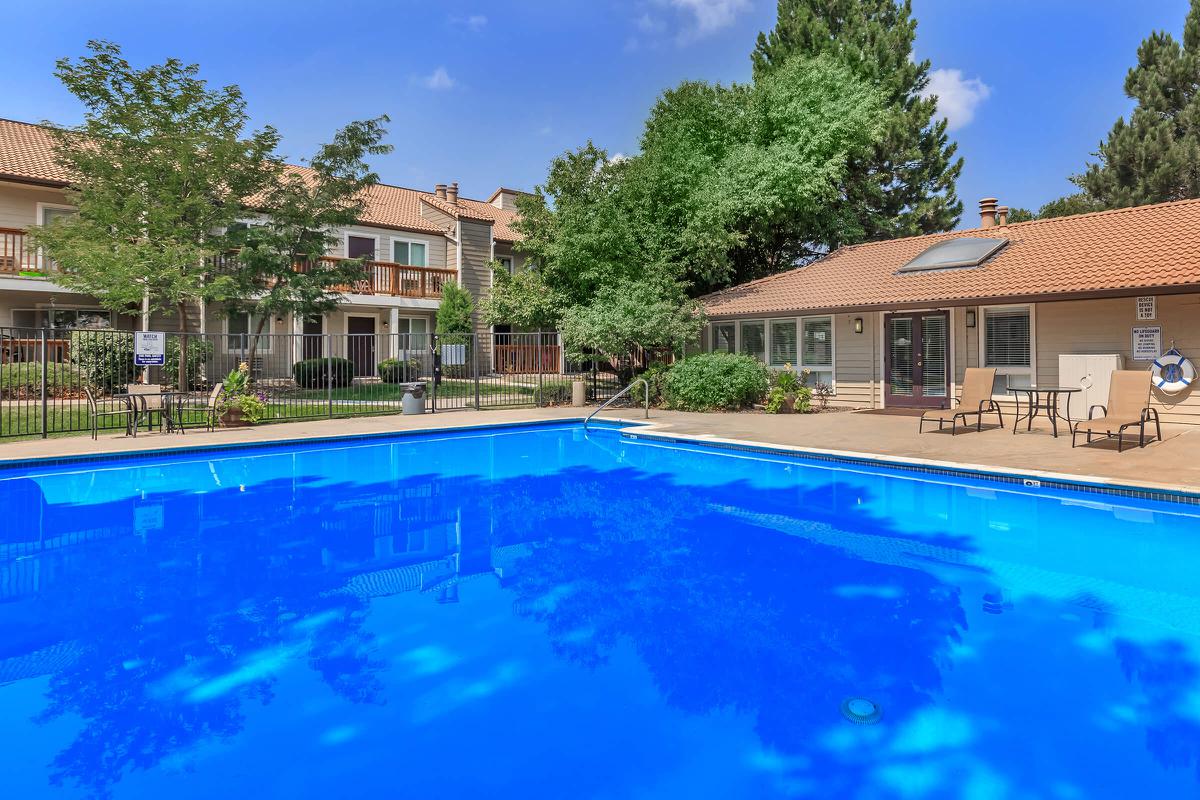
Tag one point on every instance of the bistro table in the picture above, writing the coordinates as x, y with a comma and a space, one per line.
170, 409
1042, 398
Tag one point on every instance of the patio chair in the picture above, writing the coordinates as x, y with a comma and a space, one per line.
975, 401
147, 401
103, 409
1128, 406
212, 407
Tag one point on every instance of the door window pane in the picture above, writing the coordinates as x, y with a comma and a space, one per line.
933, 356
239, 326
783, 342
416, 252
410, 254
722, 337
900, 344
754, 339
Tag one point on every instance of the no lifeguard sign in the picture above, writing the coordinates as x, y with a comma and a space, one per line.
149, 348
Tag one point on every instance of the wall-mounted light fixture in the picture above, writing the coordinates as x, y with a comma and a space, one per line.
970, 318
858, 328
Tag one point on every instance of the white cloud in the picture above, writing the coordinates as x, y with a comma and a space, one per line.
438, 80
708, 16
474, 23
648, 24
957, 97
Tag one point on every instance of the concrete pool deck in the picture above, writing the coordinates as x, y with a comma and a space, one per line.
1173, 464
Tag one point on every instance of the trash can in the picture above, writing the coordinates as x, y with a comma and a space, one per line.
414, 397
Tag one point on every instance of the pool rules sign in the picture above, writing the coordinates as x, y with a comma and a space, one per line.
149, 348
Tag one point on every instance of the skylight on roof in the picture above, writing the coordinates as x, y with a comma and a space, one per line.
968, 251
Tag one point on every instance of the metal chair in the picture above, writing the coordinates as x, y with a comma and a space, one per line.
96, 412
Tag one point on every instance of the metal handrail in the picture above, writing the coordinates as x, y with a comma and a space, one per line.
618, 396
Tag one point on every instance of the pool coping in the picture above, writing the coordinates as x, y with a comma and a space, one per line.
650, 430
1031, 478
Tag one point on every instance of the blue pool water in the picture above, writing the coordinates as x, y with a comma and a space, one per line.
539, 613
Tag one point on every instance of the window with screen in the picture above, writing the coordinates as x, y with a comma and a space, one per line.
783, 342
723, 337
816, 353
238, 327
1008, 346
754, 339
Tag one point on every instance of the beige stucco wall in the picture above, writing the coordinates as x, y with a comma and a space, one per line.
19, 204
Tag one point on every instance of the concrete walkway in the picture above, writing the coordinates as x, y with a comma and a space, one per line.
1171, 464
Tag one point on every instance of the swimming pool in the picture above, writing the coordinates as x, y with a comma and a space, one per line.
536, 612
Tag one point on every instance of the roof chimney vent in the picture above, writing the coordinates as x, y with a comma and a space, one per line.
1001, 215
987, 212
439, 191
452, 194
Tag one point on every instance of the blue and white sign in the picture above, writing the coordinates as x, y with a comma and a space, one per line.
149, 348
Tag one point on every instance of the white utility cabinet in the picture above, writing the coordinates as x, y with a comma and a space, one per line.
1091, 373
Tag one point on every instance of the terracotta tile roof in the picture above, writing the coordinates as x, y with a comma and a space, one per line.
1106, 252
26, 154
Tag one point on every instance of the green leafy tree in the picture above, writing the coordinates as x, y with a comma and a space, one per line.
454, 312
522, 299
723, 173
906, 184
1078, 203
1020, 215
302, 214
628, 316
1155, 155
160, 168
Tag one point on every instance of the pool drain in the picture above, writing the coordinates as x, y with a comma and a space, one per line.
861, 711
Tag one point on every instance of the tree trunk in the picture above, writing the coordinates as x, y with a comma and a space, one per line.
182, 384
258, 329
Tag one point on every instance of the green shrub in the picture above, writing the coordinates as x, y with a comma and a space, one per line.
555, 392
715, 381
787, 380
23, 381
392, 370
801, 400
105, 359
313, 373
200, 351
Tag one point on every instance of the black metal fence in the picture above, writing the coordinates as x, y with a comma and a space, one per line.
47, 374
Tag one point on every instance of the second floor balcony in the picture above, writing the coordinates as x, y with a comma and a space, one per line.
19, 258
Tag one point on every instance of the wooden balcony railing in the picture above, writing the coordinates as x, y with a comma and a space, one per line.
396, 280
16, 255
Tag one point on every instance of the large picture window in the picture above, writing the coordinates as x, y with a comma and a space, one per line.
1007, 344
70, 318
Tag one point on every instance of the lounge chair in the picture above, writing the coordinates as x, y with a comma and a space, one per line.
1128, 405
975, 401
104, 409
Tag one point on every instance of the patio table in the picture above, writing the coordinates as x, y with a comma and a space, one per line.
170, 408
1042, 398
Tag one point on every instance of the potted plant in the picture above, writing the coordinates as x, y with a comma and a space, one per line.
240, 406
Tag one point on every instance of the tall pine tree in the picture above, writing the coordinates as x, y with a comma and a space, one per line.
1155, 156
906, 186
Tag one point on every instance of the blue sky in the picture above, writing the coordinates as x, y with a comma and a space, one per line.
487, 92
